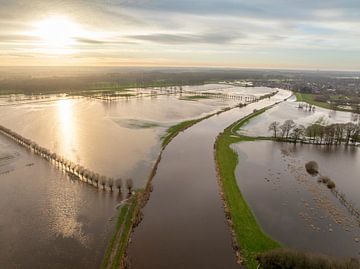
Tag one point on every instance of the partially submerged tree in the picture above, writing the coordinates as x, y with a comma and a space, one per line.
129, 185
288, 259
274, 127
312, 167
298, 132
286, 128
118, 184
111, 183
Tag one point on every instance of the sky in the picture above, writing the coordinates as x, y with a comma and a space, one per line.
306, 34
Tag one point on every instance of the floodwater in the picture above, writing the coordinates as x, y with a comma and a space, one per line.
291, 206
48, 220
184, 224
289, 111
117, 139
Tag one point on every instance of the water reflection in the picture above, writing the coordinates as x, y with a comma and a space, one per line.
63, 212
299, 211
66, 128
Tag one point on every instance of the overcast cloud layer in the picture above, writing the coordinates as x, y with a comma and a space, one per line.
257, 33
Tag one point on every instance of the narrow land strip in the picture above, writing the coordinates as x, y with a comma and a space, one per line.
248, 234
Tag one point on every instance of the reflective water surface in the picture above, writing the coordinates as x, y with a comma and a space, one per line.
290, 205
119, 138
184, 223
48, 220
289, 111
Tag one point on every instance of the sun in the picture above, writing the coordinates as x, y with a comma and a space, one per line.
56, 34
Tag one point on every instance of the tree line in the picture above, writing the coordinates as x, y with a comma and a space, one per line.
74, 169
317, 132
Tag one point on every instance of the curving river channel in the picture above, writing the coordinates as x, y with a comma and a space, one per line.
184, 224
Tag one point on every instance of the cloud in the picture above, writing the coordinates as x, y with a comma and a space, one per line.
209, 30
207, 38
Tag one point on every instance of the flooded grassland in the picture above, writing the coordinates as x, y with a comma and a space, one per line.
49, 218
290, 205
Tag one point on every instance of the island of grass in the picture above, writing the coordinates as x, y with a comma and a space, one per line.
195, 97
248, 234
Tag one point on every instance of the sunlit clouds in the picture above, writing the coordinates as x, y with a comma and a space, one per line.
270, 34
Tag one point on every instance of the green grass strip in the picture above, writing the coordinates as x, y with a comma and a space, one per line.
310, 99
111, 244
249, 235
120, 251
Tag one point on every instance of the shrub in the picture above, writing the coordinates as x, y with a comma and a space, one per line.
312, 167
330, 184
289, 259
324, 179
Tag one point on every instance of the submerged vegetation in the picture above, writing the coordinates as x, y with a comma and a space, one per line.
265, 253
75, 170
312, 167
289, 259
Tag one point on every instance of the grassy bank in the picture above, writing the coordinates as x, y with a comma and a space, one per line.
195, 97
248, 234
176, 129
115, 252
310, 99
182, 126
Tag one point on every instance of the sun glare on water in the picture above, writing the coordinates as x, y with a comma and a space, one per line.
57, 35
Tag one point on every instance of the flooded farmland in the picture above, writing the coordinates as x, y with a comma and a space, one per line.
47, 217
184, 224
120, 138
289, 111
291, 206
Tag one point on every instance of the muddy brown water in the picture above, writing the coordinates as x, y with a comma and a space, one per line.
184, 223
48, 220
116, 139
291, 206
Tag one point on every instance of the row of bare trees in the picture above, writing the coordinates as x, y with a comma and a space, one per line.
318, 132
79, 171
306, 106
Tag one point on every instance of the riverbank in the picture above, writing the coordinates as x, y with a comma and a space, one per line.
115, 255
248, 235
143, 195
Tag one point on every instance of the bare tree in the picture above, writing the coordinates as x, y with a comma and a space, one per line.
111, 183
103, 181
274, 127
298, 132
118, 184
129, 185
286, 128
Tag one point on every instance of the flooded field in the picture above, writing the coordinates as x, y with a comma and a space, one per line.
120, 138
47, 217
289, 111
291, 206
184, 224
48, 220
